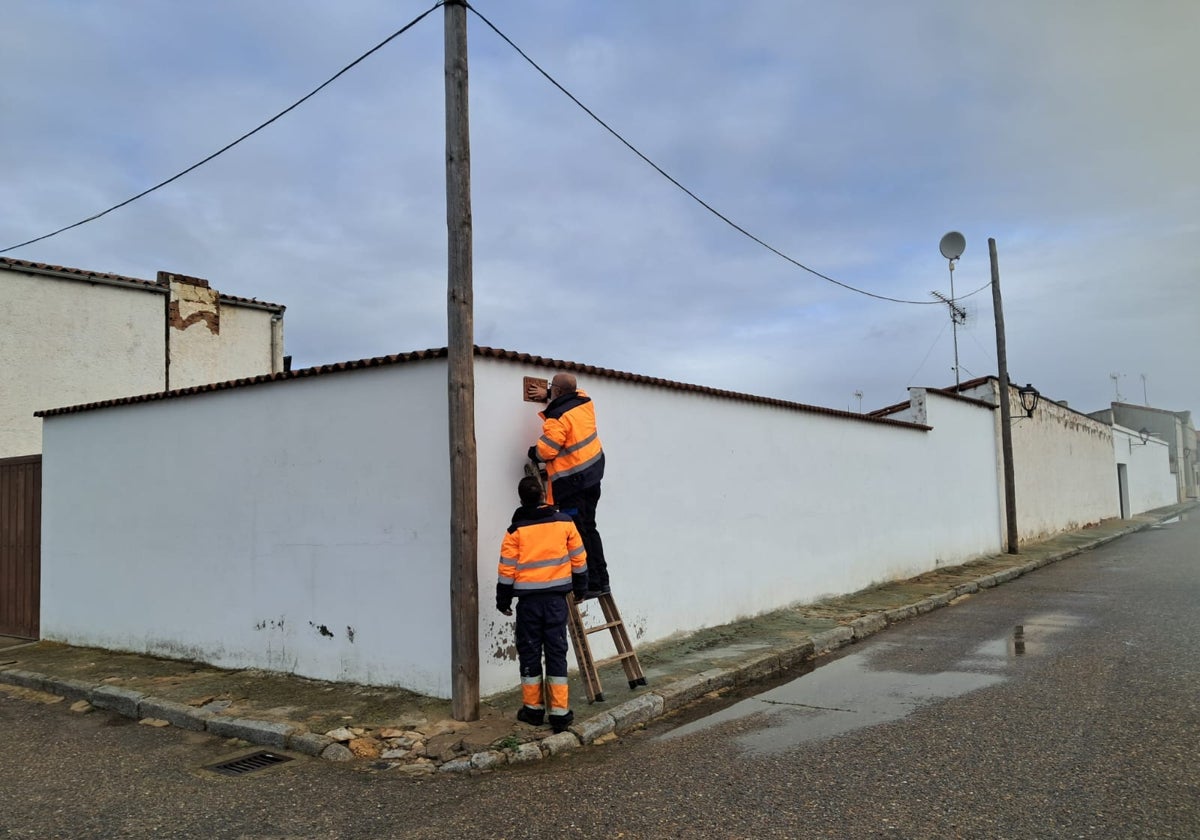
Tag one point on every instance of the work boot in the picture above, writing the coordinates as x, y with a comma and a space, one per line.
559, 723
534, 717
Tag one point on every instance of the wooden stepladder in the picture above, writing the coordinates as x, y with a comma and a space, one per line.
583, 650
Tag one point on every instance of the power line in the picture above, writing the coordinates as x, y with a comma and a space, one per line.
248, 134
694, 197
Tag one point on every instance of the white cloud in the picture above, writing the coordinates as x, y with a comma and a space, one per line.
851, 136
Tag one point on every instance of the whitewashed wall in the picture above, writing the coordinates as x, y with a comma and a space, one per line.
299, 526
1148, 467
303, 525
64, 342
715, 509
1063, 464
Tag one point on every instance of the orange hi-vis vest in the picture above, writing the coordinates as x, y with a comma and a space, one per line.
570, 445
541, 553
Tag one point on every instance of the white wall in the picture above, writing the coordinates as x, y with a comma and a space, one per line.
1148, 468
230, 527
65, 342
1063, 465
242, 346
715, 508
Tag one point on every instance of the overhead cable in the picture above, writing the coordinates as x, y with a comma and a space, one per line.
694, 197
229, 146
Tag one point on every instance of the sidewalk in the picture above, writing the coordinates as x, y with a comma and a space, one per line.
414, 734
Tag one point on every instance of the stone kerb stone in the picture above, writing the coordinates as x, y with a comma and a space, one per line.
123, 701
594, 727
832, 639
177, 714
681, 692
635, 712
309, 743
560, 743
867, 625
263, 732
24, 679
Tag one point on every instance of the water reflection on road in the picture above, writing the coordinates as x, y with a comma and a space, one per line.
849, 693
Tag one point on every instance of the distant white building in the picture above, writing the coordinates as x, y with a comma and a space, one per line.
70, 336
1175, 428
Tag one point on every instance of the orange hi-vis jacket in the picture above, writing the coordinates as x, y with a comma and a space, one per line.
570, 445
541, 554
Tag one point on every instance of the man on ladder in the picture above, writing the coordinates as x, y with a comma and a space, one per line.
574, 459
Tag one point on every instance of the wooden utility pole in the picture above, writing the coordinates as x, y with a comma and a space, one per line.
1010, 490
460, 364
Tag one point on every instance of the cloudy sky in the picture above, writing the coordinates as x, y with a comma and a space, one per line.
850, 136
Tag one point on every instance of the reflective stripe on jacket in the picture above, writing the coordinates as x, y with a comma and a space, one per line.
542, 553
570, 445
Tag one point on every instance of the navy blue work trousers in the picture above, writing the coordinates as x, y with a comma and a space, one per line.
542, 631
581, 507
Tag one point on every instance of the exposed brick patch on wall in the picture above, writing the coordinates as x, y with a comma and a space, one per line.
192, 302
210, 317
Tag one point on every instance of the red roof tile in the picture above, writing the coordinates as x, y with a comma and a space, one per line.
484, 352
84, 275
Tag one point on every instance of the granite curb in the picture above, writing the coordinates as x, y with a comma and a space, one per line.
618, 720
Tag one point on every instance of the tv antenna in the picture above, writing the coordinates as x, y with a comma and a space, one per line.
1116, 378
952, 246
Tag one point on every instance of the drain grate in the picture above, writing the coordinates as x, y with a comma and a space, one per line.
248, 763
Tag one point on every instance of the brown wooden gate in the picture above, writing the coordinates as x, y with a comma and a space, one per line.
20, 545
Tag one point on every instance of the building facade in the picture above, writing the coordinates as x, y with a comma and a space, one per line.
1175, 428
70, 336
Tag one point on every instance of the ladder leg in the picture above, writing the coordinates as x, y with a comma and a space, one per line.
583, 653
629, 660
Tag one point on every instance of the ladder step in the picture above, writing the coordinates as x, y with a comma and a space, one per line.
599, 627
618, 658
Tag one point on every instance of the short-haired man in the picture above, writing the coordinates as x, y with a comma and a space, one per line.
542, 560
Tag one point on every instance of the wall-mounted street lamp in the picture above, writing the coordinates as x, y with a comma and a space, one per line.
1029, 398
1144, 434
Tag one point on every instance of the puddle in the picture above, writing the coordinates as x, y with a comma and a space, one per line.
836, 698
1028, 639
849, 694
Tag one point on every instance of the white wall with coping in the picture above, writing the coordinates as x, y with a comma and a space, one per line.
259, 526
1062, 462
715, 509
65, 343
66, 340
1148, 470
299, 526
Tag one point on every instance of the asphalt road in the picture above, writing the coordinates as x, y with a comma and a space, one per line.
1063, 704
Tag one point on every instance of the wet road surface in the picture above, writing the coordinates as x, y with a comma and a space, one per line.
1063, 704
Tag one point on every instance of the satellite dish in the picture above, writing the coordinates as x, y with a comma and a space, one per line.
952, 245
